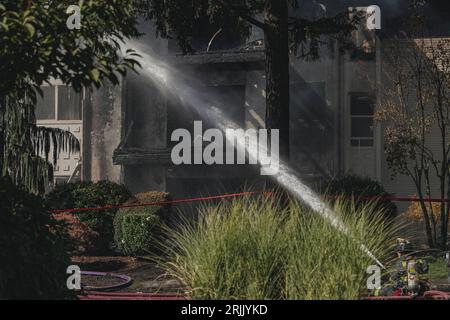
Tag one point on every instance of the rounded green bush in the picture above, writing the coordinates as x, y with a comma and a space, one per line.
92, 195
33, 248
136, 228
136, 231
360, 190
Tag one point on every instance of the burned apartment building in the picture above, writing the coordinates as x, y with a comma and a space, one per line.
125, 131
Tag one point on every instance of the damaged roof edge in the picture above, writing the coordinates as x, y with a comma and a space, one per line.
217, 57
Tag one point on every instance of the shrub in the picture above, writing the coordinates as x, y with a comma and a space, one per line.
137, 232
82, 238
154, 196
91, 195
361, 190
258, 249
33, 248
136, 228
415, 213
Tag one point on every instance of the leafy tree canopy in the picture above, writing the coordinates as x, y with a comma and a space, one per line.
177, 19
36, 45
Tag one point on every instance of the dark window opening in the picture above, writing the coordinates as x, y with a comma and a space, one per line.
361, 120
45, 106
69, 104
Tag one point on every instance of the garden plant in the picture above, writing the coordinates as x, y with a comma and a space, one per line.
261, 248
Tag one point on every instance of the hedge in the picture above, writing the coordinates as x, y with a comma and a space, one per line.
91, 195
360, 189
82, 238
136, 228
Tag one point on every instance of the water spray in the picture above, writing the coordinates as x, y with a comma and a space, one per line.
165, 77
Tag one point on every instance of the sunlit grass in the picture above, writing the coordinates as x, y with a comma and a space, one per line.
439, 270
257, 248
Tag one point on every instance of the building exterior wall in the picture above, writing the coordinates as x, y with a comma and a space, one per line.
360, 78
147, 114
313, 111
134, 117
103, 118
145, 120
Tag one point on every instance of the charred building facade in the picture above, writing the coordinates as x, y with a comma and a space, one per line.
125, 131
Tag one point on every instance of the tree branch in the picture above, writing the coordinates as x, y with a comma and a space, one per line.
246, 17
254, 21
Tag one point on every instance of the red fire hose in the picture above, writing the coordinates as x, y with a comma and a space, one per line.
236, 195
429, 295
96, 295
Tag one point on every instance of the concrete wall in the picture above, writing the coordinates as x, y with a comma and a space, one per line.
314, 105
359, 77
103, 117
255, 100
108, 115
145, 109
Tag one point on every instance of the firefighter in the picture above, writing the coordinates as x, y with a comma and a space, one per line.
409, 275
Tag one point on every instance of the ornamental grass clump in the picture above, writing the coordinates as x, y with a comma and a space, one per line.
265, 248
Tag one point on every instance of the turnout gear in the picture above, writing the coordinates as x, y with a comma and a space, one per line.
409, 276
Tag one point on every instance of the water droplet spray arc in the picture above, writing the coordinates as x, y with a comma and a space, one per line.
176, 83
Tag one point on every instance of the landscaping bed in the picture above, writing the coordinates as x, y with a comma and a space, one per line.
146, 276
103, 281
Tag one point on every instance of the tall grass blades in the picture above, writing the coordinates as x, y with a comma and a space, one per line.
259, 248
326, 263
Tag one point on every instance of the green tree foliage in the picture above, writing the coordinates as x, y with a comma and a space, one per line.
284, 30
35, 46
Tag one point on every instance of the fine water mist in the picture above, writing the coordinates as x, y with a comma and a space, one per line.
175, 83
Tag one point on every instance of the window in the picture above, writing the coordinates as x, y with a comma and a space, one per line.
69, 104
361, 114
45, 107
59, 103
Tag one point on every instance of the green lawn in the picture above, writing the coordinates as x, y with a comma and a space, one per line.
439, 269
